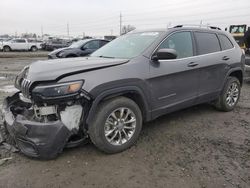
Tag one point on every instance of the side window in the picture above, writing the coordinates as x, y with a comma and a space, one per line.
20, 41
102, 43
207, 43
92, 44
225, 42
181, 42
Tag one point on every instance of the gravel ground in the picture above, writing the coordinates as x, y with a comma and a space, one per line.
196, 147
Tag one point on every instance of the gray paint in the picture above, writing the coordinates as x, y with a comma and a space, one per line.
167, 84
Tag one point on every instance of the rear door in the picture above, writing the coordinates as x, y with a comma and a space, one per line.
212, 63
174, 83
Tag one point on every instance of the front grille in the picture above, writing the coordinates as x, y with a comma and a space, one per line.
25, 87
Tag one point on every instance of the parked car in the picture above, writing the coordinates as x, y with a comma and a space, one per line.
133, 79
19, 44
77, 49
54, 44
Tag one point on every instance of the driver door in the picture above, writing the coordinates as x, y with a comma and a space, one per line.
174, 82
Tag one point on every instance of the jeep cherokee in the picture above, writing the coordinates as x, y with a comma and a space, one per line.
108, 96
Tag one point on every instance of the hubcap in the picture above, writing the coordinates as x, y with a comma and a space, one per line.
120, 126
232, 94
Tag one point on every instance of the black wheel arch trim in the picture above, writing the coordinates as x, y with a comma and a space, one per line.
119, 91
7, 46
231, 71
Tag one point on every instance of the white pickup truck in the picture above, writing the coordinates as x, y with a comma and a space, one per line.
20, 44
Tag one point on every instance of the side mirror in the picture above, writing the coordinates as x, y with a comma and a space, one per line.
165, 53
83, 48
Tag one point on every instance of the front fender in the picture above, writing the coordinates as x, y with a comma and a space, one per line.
118, 91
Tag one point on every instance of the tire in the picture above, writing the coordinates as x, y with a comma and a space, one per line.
99, 130
230, 91
33, 48
6, 49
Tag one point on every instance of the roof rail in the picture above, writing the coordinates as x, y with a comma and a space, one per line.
201, 26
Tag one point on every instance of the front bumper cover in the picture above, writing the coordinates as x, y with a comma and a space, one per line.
34, 139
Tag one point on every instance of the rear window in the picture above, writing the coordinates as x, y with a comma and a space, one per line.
225, 42
207, 43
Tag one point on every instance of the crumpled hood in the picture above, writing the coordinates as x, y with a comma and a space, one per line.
53, 69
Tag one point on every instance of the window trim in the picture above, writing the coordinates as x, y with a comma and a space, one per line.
196, 55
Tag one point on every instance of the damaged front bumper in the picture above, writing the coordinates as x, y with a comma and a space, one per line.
39, 139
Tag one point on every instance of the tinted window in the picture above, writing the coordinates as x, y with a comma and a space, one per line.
102, 43
225, 42
92, 44
181, 42
19, 41
207, 43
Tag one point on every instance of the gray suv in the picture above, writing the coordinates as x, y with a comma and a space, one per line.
108, 96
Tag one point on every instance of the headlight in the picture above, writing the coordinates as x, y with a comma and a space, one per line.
60, 54
58, 90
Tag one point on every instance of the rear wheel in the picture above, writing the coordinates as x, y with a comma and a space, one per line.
117, 125
33, 49
229, 96
6, 49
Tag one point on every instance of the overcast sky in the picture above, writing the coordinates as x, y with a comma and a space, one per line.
101, 17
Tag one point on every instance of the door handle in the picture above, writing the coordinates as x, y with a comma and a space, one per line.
192, 64
225, 58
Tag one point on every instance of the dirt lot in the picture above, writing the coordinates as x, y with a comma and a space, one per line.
195, 147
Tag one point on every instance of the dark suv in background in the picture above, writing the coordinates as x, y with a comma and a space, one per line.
78, 49
131, 80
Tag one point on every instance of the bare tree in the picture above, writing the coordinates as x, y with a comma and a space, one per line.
127, 28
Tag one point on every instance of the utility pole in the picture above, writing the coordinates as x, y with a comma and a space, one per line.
169, 25
68, 29
42, 31
120, 23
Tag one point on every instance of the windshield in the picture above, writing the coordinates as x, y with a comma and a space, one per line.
78, 44
127, 46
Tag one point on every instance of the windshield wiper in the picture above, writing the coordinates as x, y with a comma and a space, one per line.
106, 56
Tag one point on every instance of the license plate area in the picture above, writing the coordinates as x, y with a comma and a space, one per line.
45, 110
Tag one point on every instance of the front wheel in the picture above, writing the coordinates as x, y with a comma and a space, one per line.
229, 96
117, 125
6, 49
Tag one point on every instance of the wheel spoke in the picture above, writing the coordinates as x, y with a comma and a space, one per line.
126, 135
121, 112
109, 132
127, 127
130, 121
127, 114
109, 122
114, 116
120, 137
112, 138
